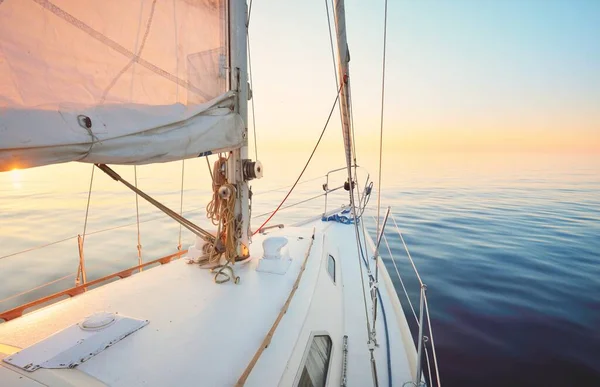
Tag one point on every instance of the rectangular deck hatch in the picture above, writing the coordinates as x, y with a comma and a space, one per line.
77, 343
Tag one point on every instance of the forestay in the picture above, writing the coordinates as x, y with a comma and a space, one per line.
114, 81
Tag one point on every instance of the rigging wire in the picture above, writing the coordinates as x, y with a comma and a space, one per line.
200, 232
337, 84
305, 166
301, 202
249, 13
351, 190
154, 219
251, 82
385, 325
137, 217
209, 169
352, 203
252, 92
287, 186
181, 202
37, 247
381, 117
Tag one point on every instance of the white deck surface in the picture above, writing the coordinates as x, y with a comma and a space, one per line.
204, 334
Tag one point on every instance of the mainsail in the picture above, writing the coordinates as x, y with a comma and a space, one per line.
114, 81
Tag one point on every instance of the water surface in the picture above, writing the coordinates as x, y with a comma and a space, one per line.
509, 246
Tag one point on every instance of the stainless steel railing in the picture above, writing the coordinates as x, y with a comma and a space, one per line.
425, 338
326, 185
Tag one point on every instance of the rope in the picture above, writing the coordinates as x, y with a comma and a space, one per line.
381, 117
226, 234
228, 219
137, 217
221, 212
305, 166
218, 179
81, 267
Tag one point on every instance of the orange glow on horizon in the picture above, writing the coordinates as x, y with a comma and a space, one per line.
456, 141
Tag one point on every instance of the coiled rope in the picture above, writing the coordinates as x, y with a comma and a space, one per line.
213, 208
221, 212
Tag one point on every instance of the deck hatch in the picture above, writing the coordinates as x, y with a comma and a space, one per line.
77, 343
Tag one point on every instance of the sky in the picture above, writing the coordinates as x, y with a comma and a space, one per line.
461, 75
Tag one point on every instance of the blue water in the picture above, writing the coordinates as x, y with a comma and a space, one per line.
509, 249
513, 273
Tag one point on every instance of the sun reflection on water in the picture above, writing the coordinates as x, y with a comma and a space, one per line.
16, 177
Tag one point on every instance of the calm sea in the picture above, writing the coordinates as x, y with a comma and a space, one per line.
509, 246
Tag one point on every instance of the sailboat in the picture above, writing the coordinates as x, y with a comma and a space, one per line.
308, 304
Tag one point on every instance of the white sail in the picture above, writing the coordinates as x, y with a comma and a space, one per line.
114, 81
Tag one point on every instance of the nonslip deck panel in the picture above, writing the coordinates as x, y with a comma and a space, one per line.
201, 331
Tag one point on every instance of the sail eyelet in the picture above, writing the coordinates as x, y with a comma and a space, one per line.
84, 121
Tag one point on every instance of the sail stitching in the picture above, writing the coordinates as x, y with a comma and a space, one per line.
116, 46
135, 58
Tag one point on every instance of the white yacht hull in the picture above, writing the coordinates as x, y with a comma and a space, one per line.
202, 333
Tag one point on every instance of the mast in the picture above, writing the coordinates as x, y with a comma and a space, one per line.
238, 78
343, 59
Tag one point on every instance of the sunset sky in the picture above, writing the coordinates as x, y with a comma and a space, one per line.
462, 75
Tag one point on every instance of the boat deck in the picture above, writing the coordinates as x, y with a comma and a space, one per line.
202, 333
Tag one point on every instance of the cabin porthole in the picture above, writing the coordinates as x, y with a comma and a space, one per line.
315, 364
331, 267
